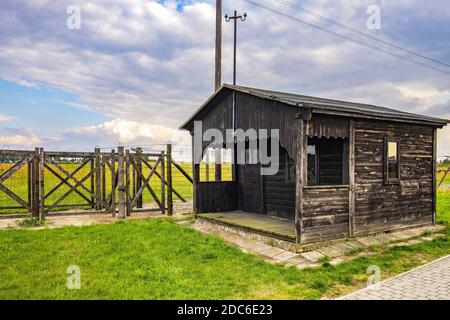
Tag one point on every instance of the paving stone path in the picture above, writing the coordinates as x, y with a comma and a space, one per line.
428, 282
335, 253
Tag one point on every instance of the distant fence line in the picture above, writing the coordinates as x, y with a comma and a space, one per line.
40, 183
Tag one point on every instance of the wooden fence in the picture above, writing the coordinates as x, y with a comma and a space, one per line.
50, 183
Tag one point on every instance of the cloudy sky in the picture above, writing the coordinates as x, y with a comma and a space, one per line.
136, 69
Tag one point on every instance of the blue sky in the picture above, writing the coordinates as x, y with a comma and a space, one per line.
137, 68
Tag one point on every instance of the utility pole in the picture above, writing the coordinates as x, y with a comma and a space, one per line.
218, 64
235, 18
218, 81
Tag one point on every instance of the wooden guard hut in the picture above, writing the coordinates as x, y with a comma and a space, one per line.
345, 169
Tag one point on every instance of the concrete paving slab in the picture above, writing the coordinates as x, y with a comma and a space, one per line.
355, 245
369, 241
284, 256
342, 249
271, 252
330, 252
312, 256
298, 260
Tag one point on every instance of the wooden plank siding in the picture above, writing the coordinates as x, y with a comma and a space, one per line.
258, 113
216, 197
382, 207
219, 117
279, 192
325, 213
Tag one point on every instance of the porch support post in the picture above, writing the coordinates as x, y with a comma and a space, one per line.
434, 166
195, 175
351, 179
218, 162
207, 166
299, 181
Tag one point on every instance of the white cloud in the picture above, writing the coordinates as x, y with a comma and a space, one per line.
19, 138
6, 118
128, 132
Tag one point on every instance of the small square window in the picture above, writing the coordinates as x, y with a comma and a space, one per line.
327, 162
392, 163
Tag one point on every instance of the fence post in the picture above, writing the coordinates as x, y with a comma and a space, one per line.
103, 160
169, 180
134, 182
98, 186
30, 185
127, 183
121, 183
163, 182
138, 176
41, 185
35, 178
92, 182
113, 182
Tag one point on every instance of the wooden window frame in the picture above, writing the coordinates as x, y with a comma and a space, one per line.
345, 165
387, 180
316, 166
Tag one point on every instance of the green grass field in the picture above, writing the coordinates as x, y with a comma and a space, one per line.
158, 259
18, 184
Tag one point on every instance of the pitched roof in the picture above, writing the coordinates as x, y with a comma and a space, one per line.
327, 106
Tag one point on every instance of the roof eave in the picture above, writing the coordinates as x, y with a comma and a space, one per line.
435, 122
185, 125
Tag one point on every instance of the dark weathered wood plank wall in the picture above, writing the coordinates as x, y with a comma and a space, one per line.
216, 197
279, 192
325, 213
382, 207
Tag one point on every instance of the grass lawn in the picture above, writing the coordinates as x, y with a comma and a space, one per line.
158, 259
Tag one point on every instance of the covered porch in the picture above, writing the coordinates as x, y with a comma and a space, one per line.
281, 229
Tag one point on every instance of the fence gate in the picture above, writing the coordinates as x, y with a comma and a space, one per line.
70, 182
140, 168
37, 183
19, 166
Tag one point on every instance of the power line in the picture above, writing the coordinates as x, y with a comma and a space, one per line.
331, 21
346, 38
